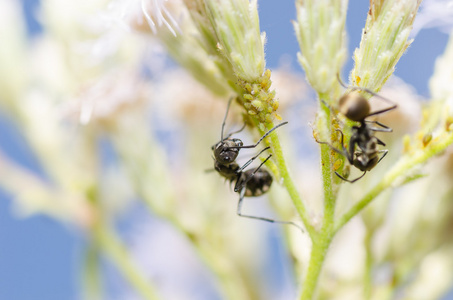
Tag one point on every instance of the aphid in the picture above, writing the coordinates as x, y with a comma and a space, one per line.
363, 152
249, 183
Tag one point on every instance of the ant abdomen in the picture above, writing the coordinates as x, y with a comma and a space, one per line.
354, 106
258, 185
364, 162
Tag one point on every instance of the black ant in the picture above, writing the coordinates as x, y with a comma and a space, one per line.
356, 108
250, 183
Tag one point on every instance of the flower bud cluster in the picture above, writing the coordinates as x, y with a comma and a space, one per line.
321, 35
384, 40
223, 48
259, 101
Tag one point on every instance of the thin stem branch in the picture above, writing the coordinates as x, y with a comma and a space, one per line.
289, 183
327, 173
232, 283
91, 279
368, 279
318, 254
118, 254
321, 240
406, 163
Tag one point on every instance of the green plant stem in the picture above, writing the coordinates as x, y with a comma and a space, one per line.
326, 172
162, 202
289, 183
406, 163
117, 253
321, 240
368, 279
92, 286
319, 249
232, 284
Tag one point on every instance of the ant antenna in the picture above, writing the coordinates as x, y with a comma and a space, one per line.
259, 141
224, 118
237, 131
341, 81
371, 93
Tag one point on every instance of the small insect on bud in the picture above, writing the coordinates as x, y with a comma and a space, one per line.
363, 152
407, 147
259, 105
427, 138
248, 183
448, 123
248, 96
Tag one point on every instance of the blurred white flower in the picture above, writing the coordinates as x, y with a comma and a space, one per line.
434, 14
109, 96
161, 12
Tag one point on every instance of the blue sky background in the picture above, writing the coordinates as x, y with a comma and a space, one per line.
40, 259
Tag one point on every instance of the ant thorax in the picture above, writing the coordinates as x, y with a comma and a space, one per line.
224, 151
229, 171
362, 135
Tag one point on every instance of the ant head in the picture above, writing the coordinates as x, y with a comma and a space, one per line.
224, 153
354, 106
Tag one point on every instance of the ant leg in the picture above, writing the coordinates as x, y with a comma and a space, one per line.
385, 153
239, 212
383, 129
350, 181
241, 184
344, 152
331, 147
252, 159
383, 98
224, 118
380, 142
380, 129
341, 81
326, 104
382, 110
259, 141
332, 110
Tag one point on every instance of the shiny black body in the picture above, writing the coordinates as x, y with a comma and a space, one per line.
259, 184
363, 151
248, 183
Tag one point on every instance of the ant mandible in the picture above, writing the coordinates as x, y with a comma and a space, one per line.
356, 108
250, 183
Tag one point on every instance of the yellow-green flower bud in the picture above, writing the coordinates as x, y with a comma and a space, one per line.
384, 40
321, 35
